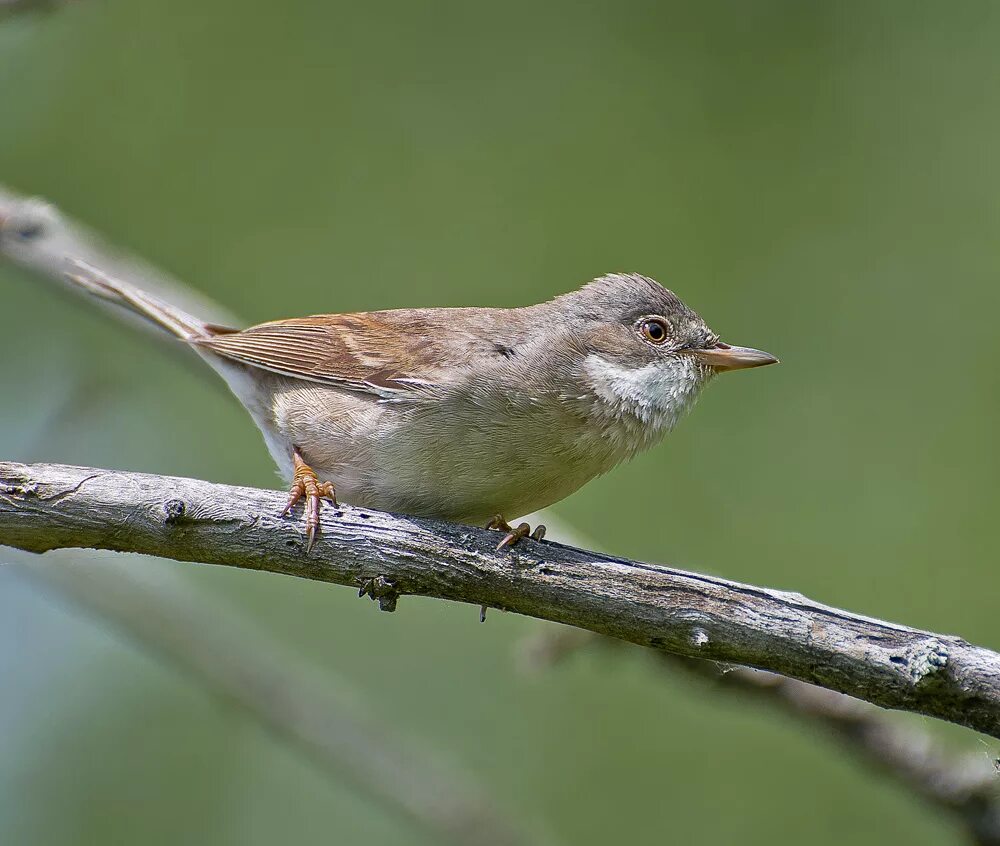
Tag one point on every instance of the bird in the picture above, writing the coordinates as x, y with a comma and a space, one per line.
471, 415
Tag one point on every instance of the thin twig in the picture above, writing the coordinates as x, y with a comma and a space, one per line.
46, 506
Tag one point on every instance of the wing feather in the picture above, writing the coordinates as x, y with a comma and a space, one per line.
384, 353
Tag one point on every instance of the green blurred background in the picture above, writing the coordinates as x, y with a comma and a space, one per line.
817, 179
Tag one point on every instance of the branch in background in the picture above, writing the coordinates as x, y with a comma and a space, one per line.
965, 788
39, 238
236, 662
46, 506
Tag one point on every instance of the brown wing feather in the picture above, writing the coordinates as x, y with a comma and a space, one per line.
376, 352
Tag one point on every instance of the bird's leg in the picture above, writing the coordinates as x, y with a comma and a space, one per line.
513, 535
305, 483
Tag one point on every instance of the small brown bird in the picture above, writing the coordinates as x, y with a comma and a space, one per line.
472, 415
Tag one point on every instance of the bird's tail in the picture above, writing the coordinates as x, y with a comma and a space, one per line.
175, 321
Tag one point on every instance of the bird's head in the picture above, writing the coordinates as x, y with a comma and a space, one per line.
644, 352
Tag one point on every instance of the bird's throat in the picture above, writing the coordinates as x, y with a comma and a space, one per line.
655, 395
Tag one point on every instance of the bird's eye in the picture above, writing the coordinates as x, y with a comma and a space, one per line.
653, 329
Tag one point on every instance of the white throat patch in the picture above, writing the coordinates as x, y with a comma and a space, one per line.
656, 394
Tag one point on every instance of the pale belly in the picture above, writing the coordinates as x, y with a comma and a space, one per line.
455, 461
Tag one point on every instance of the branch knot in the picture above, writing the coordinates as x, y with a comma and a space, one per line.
382, 590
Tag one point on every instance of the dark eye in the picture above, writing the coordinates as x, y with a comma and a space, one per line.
654, 330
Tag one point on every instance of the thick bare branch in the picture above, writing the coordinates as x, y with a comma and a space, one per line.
45, 507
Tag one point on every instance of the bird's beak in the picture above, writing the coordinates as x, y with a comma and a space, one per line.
724, 357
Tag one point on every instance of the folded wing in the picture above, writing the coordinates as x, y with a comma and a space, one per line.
389, 354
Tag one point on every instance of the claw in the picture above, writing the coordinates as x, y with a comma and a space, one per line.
513, 535
305, 484
523, 530
294, 495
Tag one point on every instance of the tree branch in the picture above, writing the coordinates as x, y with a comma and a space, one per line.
37, 236
45, 507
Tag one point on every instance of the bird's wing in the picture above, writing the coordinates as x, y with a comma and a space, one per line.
391, 354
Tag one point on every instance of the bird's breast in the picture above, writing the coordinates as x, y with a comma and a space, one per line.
457, 458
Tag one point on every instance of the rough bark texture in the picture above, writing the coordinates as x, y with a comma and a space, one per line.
45, 507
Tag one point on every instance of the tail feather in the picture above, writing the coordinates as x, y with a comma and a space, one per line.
162, 314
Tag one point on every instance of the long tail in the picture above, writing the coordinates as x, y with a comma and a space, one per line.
168, 317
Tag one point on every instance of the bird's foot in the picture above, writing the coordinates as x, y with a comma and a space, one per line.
305, 483
523, 530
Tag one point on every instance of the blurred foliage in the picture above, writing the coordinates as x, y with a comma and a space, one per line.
821, 180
